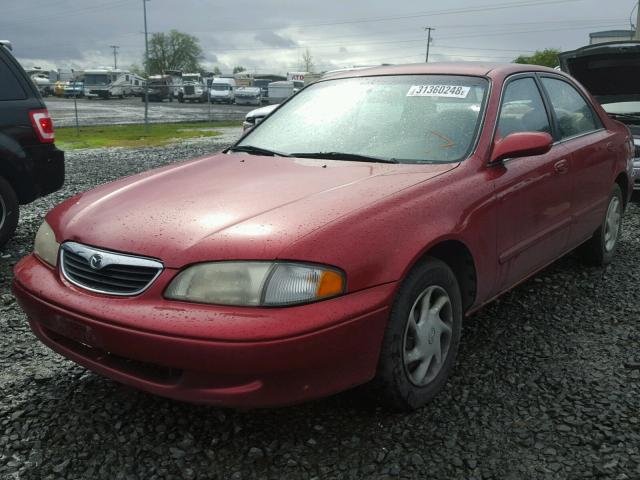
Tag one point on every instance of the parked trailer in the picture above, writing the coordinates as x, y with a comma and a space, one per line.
280, 91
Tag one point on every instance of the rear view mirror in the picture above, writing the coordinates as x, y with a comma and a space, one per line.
521, 144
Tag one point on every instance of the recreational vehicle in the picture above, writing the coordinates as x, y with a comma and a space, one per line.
107, 83
41, 79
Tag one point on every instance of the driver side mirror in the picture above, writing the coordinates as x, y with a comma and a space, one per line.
521, 144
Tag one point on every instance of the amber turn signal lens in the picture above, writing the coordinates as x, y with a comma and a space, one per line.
331, 284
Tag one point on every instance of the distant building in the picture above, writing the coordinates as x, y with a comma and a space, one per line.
611, 36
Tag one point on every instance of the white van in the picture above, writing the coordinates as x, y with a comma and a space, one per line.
222, 90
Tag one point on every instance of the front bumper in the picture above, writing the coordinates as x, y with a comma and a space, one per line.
96, 93
248, 100
273, 357
636, 174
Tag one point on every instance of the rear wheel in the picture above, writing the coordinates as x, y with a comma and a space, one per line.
421, 342
601, 247
9, 211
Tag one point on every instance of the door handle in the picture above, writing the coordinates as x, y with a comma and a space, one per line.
561, 166
611, 147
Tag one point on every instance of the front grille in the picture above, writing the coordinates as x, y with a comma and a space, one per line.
107, 272
189, 90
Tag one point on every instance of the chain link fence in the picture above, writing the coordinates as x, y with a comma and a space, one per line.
82, 112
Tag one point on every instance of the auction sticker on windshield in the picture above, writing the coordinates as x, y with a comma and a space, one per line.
451, 91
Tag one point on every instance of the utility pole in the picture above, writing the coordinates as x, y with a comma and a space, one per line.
428, 29
115, 56
146, 68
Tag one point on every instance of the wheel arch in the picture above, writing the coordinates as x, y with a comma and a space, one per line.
458, 257
623, 182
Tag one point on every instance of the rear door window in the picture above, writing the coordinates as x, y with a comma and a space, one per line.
522, 109
10, 88
575, 116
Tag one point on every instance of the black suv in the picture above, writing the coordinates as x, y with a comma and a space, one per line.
30, 164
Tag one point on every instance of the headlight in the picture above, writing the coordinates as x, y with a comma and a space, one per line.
46, 247
256, 283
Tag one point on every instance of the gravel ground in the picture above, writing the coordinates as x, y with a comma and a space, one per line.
547, 387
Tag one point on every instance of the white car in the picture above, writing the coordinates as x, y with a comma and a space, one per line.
254, 117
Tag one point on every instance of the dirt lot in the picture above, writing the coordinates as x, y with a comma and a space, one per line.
547, 387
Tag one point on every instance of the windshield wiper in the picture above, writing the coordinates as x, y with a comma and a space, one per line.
354, 157
253, 150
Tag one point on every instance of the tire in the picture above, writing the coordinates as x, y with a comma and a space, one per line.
9, 211
601, 247
400, 382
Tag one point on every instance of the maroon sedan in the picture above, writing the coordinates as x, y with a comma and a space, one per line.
339, 242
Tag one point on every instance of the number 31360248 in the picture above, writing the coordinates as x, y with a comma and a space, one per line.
453, 91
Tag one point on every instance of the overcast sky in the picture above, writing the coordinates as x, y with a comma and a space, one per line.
269, 36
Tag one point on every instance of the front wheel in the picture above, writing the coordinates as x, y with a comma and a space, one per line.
422, 338
601, 247
9, 211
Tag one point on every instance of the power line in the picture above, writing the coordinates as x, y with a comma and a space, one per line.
453, 11
80, 11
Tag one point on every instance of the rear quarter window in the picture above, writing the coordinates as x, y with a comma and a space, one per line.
10, 88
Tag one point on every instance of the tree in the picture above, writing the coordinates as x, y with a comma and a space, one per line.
216, 71
174, 51
137, 70
239, 69
546, 58
307, 61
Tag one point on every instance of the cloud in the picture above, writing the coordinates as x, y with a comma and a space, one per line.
337, 33
274, 40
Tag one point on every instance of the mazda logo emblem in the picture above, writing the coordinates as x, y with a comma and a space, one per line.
96, 261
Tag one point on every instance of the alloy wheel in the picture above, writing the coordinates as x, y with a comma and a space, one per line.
427, 336
612, 223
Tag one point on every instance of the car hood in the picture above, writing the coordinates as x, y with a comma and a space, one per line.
262, 111
610, 71
227, 206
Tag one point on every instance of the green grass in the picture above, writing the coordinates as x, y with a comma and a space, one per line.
159, 134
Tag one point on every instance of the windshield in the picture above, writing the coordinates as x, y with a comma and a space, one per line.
220, 87
409, 118
190, 78
96, 79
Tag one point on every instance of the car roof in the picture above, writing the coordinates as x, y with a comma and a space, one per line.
479, 69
